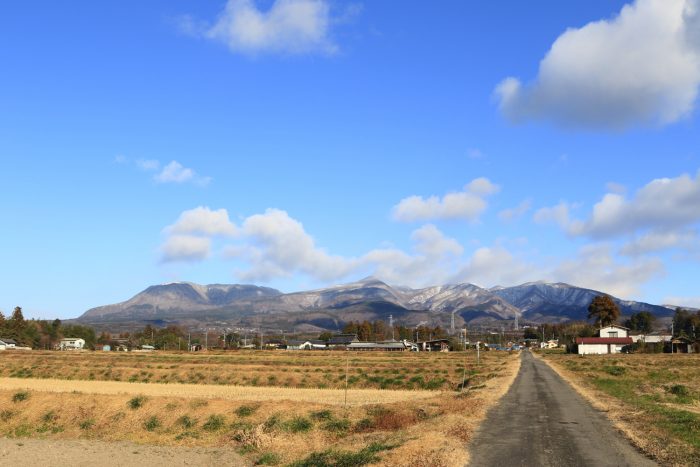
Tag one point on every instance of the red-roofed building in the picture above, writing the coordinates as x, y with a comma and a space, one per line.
611, 340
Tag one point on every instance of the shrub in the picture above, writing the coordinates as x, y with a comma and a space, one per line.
272, 422
6, 415
49, 417
152, 423
20, 396
137, 402
268, 458
335, 458
246, 410
299, 425
87, 424
340, 426
214, 423
679, 390
186, 421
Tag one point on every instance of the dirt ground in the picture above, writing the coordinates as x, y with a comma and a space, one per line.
84, 453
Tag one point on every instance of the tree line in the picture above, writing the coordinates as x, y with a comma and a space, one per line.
41, 334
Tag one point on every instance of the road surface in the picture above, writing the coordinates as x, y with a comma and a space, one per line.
542, 421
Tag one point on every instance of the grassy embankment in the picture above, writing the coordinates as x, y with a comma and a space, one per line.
422, 426
653, 398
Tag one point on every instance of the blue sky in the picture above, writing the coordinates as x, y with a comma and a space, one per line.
301, 143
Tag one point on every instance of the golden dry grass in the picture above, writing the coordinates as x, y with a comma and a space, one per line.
637, 394
417, 428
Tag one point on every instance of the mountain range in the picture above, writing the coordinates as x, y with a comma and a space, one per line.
330, 308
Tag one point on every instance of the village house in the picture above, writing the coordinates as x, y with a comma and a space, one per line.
435, 345
71, 343
388, 346
342, 340
7, 343
611, 339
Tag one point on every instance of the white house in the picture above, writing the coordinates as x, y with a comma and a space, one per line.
611, 340
71, 343
7, 344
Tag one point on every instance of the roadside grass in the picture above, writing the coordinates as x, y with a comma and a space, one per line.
430, 430
660, 392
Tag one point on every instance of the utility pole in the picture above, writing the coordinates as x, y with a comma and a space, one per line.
452, 323
189, 342
224, 338
391, 325
206, 339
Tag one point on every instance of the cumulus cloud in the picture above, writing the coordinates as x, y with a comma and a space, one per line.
662, 204
642, 66
203, 221
558, 214
516, 212
174, 172
467, 204
185, 248
148, 164
658, 241
288, 26
490, 266
273, 244
596, 267
280, 246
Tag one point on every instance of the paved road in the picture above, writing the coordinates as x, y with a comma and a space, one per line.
542, 421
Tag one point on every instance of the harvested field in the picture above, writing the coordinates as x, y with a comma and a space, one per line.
300, 369
265, 425
659, 392
208, 391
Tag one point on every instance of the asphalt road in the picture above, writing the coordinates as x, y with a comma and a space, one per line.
542, 421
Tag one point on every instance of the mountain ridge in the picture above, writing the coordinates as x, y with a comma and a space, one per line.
370, 298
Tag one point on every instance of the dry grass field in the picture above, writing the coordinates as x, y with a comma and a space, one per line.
653, 398
306, 369
277, 422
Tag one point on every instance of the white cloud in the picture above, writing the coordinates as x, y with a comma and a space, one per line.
558, 214
281, 247
516, 212
467, 204
288, 26
185, 248
203, 221
433, 258
148, 164
596, 268
642, 66
661, 205
273, 245
174, 172
490, 266
659, 241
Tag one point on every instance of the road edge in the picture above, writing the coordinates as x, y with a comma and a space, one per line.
496, 396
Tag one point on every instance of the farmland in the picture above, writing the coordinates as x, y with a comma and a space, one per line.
653, 398
273, 408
